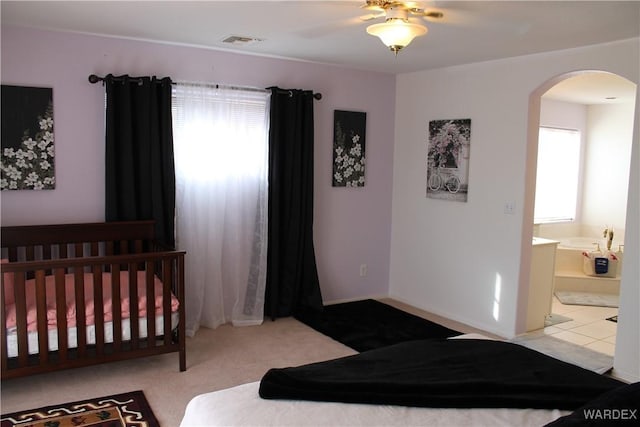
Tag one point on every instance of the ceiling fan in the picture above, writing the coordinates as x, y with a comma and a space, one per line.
396, 32
399, 22
412, 9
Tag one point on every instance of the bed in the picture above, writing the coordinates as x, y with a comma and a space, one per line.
242, 406
462, 381
75, 295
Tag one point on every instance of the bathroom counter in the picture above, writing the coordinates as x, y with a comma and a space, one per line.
543, 264
542, 241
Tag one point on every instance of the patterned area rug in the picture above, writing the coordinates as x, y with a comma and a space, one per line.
121, 410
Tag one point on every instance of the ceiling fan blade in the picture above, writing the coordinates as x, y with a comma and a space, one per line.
331, 17
469, 14
328, 28
371, 16
427, 15
374, 5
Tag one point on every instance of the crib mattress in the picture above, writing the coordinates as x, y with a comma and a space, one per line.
70, 303
72, 333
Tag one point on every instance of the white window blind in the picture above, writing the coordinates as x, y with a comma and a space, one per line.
558, 172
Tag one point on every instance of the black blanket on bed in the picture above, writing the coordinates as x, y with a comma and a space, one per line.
455, 373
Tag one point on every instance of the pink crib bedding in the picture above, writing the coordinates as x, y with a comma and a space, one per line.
125, 303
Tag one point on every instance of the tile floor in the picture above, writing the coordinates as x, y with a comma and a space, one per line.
589, 327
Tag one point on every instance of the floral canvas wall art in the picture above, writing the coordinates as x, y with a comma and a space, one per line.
349, 148
27, 157
448, 159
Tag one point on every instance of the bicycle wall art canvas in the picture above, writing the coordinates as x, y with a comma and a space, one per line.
348, 148
448, 159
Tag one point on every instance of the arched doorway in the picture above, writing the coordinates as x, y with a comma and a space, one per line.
532, 150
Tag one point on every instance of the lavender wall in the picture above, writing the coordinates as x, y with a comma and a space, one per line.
352, 226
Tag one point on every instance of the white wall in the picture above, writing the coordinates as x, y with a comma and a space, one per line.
627, 357
610, 130
462, 260
565, 115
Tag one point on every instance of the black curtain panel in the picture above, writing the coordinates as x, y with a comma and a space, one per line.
292, 276
140, 175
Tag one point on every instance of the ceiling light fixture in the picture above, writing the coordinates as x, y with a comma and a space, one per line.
396, 32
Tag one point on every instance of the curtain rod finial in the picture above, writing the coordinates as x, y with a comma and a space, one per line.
94, 79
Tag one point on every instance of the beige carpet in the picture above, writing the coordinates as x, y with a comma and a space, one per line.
216, 359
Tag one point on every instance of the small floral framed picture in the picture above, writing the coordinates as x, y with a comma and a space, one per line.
349, 148
27, 155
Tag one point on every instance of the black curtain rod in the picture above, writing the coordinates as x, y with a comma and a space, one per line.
95, 79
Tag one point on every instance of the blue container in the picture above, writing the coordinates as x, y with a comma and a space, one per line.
601, 265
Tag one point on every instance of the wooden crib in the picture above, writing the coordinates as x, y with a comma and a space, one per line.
67, 293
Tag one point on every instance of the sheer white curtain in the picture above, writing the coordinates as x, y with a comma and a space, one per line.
221, 159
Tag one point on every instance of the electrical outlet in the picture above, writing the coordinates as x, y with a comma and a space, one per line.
509, 208
363, 270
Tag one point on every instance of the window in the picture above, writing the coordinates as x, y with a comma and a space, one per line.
220, 138
557, 176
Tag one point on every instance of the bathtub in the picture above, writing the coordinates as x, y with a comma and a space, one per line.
570, 267
587, 244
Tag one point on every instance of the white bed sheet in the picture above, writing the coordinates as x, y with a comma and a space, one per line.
12, 337
242, 406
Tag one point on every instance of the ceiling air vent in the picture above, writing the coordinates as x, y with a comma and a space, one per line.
240, 40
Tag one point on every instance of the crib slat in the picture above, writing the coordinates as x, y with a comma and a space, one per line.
3, 325
133, 305
138, 247
62, 250
180, 293
30, 253
21, 317
46, 251
98, 309
41, 313
95, 249
81, 314
166, 299
47, 254
116, 307
78, 250
13, 253
61, 314
150, 304
123, 247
